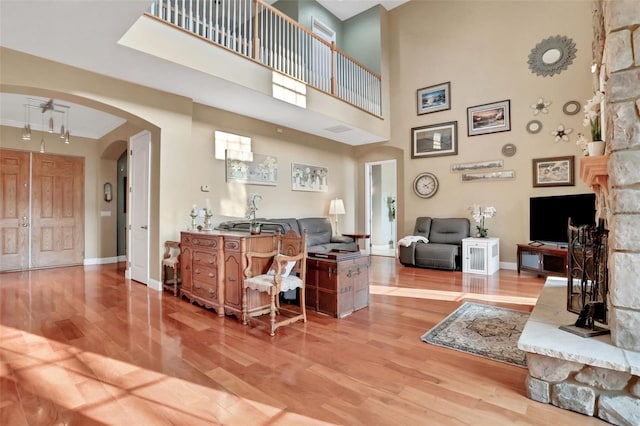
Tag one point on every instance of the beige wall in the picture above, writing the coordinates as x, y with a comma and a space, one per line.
181, 154
482, 48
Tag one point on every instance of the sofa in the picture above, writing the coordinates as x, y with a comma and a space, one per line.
435, 243
320, 238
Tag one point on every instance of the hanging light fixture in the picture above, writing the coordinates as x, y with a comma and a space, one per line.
26, 131
42, 139
55, 110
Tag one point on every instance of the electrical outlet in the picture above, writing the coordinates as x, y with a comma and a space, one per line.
204, 188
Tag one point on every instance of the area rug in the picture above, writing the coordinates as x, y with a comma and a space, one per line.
484, 330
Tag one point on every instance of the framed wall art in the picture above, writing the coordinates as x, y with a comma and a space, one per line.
434, 140
434, 98
489, 118
553, 171
477, 177
309, 178
262, 170
479, 165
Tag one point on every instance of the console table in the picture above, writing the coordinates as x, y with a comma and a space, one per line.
212, 267
337, 283
542, 260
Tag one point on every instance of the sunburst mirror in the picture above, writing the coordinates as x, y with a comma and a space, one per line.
552, 56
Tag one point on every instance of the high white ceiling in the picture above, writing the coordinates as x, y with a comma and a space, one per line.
85, 34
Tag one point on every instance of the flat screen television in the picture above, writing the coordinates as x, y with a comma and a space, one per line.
549, 216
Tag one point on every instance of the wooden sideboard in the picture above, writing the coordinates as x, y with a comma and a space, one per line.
337, 286
212, 266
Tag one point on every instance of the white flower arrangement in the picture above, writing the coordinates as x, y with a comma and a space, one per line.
252, 208
582, 142
479, 214
592, 115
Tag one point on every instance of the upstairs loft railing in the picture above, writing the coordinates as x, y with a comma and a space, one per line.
264, 34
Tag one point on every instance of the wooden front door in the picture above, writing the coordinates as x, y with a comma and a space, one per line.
57, 219
47, 230
14, 210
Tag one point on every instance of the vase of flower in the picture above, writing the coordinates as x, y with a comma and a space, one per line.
255, 228
595, 148
479, 214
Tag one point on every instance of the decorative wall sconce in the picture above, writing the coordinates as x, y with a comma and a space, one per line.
108, 192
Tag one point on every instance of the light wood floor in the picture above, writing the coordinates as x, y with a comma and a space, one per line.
85, 346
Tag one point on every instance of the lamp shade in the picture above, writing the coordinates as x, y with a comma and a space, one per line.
336, 207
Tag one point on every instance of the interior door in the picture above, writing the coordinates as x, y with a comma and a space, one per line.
57, 213
139, 201
14, 210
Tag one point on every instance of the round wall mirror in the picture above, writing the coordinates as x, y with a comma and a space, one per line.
552, 56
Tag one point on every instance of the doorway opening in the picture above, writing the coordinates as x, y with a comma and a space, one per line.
381, 203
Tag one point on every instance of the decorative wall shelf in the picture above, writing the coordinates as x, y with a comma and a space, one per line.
594, 172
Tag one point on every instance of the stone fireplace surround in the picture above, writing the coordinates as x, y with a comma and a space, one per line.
591, 376
599, 376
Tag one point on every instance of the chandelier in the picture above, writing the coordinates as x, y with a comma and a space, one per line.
58, 115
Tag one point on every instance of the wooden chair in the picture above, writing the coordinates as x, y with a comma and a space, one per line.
287, 272
171, 261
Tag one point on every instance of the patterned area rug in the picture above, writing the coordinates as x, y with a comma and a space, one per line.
488, 331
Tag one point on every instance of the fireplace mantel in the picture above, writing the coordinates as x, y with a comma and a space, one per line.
594, 172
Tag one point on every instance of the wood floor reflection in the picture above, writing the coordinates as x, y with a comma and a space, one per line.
83, 346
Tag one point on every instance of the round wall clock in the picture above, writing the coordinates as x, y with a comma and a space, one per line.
425, 185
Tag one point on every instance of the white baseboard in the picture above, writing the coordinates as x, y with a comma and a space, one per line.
104, 260
508, 265
154, 285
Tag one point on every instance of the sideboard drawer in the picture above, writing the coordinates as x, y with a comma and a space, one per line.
204, 274
203, 258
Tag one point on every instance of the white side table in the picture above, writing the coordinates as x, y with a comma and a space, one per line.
480, 255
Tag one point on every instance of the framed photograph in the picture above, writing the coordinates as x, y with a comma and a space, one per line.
261, 170
309, 178
477, 177
489, 118
434, 140
434, 98
481, 165
553, 171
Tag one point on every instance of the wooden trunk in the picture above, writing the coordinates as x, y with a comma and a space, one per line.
337, 287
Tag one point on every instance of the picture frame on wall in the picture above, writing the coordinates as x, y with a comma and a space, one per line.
434, 140
489, 118
434, 98
554, 171
257, 170
305, 177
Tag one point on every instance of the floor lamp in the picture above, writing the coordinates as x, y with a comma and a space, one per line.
335, 208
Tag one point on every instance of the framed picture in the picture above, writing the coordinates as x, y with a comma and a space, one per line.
434, 98
261, 170
309, 178
477, 177
470, 167
553, 171
489, 118
434, 140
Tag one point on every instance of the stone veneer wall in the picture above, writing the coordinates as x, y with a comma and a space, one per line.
622, 112
613, 396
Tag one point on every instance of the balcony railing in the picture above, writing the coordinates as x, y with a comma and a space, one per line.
262, 33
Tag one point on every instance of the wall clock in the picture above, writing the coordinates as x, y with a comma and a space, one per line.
425, 185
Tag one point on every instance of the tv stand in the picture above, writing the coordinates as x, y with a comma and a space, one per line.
543, 260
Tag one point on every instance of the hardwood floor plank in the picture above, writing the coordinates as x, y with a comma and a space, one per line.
83, 345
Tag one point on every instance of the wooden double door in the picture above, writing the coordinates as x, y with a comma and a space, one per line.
41, 210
